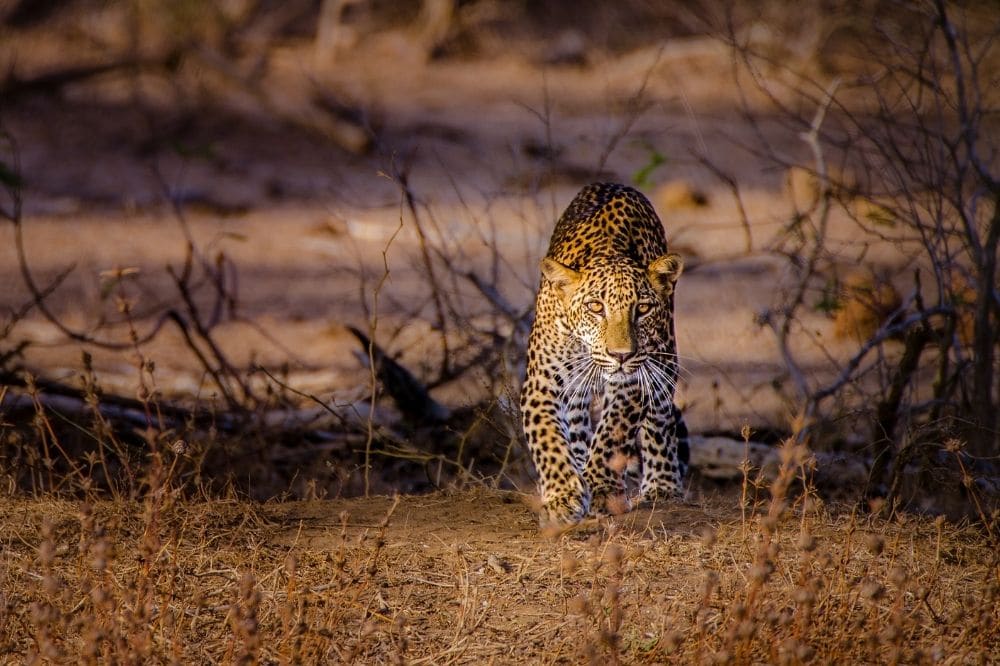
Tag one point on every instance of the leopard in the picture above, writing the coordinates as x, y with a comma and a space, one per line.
597, 403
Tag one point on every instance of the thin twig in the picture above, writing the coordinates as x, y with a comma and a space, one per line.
437, 290
783, 329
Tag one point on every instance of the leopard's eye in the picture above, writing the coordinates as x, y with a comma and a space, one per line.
595, 306
643, 308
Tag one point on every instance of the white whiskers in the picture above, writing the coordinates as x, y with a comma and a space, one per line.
663, 357
654, 374
585, 378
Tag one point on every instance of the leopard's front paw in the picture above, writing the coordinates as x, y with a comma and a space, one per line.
610, 503
661, 494
564, 509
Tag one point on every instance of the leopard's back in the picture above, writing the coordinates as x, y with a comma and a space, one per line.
607, 222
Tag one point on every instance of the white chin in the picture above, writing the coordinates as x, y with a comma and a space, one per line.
618, 374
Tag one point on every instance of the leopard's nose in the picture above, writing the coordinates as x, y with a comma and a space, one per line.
621, 356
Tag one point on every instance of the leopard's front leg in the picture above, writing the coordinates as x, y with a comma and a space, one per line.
555, 445
664, 452
614, 440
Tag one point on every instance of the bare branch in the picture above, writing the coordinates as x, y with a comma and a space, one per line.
880, 336
783, 330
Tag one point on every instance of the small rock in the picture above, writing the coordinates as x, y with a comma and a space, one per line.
679, 195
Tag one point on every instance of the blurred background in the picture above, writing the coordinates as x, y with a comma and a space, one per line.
294, 245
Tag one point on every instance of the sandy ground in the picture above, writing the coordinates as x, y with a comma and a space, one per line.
306, 224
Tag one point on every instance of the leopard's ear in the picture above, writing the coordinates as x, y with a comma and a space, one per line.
663, 273
563, 278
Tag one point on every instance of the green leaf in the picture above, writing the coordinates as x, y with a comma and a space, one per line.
641, 177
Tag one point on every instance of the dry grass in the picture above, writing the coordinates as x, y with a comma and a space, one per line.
465, 577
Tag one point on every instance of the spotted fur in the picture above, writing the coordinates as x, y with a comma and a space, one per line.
604, 329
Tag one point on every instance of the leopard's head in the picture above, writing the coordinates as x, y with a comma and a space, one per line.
620, 314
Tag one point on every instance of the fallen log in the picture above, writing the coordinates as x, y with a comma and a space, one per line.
410, 395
